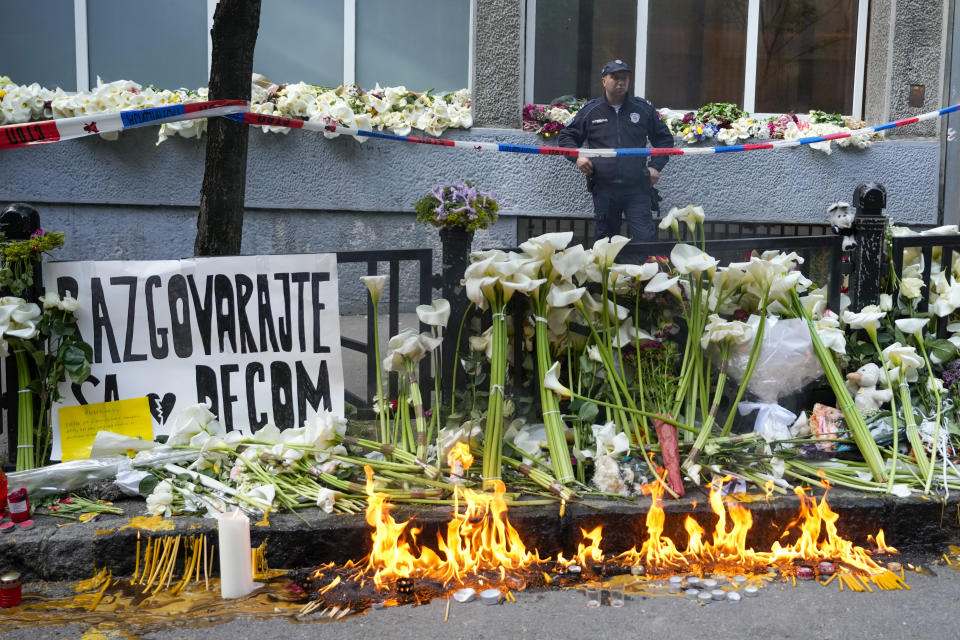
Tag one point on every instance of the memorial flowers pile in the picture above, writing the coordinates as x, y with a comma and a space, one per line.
395, 109
670, 371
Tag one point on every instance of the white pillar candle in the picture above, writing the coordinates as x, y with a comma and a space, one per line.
236, 572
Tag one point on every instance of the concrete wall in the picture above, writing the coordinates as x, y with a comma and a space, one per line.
907, 47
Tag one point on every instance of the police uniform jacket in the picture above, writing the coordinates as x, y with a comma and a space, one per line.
599, 126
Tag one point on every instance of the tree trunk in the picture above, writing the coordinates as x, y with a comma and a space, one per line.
220, 222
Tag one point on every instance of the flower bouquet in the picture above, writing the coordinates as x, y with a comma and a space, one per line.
460, 205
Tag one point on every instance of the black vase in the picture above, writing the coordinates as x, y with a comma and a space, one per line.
456, 243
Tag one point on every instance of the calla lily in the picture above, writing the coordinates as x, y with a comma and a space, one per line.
689, 259
948, 300
564, 294
605, 250
609, 442
904, 358
435, 314
374, 285
728, 278
551, 380
594, 307
911, 326
519, 282
867, 319
23, 321
691, 215
479, 290
569, 262
663, 282
545, 245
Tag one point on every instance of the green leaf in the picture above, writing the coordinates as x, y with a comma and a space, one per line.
942, 350
72, 355
588, 411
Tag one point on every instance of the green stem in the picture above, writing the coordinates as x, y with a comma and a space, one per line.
25, 445
751, 364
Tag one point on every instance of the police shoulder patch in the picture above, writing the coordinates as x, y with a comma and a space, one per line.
634, 117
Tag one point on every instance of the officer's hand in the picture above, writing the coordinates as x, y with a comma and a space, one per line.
654, 176
585, 165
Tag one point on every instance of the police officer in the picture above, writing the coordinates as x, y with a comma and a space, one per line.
622, 185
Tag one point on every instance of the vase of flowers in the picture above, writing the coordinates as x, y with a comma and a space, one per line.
457, 210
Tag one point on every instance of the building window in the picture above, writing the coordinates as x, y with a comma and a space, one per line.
69, 43
162, 44
38, 44
767, 56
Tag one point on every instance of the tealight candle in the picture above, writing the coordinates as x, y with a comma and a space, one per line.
236, 572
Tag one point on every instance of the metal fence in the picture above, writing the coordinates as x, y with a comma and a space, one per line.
948, 245
582, 227
424, 261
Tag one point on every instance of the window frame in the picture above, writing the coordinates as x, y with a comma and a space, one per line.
750, 66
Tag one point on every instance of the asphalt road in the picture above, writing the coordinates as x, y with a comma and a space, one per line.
780, 611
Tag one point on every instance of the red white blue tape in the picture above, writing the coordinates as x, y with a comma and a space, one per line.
30, 133
279, 121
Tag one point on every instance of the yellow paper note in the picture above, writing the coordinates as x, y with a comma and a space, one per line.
79, 425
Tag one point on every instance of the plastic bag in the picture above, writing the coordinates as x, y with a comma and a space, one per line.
786, 348
773, 421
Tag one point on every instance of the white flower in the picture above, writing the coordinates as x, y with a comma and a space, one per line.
50, 300
689, 259
323, 428
948, 300
374, 285
911, 325
570, 261
910, 288
719, 330
867, 318
436, 314
544, 246
903, 358
608, 441
605, 250
551, 381
326, 499
18, 318
663, 282
191, 421
564, 294
160, 500
831, 335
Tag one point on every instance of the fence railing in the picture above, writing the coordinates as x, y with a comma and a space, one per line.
582, 228
947, 244
424, 260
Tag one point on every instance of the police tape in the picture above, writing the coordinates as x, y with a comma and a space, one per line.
293, 123
30, 133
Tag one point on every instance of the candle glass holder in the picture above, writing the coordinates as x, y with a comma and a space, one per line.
618, 596
593, 596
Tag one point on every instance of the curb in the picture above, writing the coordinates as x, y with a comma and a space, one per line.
52, 550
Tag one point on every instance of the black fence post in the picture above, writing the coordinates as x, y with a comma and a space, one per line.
870, 200
456, 245
18, 221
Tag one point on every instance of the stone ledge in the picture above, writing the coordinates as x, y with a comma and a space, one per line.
71, 552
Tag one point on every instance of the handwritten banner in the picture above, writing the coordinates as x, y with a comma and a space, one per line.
258, 337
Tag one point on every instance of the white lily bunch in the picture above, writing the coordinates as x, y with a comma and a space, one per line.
407, 348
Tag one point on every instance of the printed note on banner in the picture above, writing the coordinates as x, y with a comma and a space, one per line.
256, 337
79, 424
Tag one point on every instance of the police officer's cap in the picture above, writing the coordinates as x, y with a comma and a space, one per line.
613, 66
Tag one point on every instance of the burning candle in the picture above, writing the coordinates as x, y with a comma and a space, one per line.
236, 572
